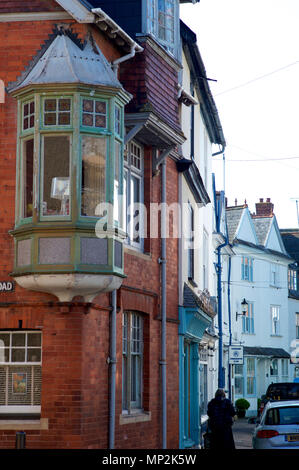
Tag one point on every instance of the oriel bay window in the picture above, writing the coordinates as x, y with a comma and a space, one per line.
70, 167
162, 22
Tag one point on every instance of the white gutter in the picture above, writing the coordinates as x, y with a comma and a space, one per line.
115, 28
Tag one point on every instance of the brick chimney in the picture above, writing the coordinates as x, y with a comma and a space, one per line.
264, 208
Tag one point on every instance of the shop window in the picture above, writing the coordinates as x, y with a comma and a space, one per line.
250, 377
239, 379
20, 372
203, 374
274, 368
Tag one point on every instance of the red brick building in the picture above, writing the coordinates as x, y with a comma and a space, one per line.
81, 334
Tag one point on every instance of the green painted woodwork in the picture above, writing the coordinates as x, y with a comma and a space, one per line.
73, 226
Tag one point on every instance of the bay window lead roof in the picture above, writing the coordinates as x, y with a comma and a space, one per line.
66, 62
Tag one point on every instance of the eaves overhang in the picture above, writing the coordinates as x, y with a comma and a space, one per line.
261, 248
152, 130
84, 12
195, 182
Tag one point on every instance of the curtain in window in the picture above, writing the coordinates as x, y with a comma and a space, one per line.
93, 173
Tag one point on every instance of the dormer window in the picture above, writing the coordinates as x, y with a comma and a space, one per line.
163, 21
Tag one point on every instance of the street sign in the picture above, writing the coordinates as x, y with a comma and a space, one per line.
7, 286
235, 355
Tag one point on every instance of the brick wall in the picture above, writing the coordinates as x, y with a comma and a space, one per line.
18, 6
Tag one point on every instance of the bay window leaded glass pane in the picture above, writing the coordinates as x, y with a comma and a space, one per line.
28, 115
57, 112
94, 113
56, 176
93, 174
27, 176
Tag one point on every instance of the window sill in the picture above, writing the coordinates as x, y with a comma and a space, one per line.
24, 424
276, 336
133, 418
135, 252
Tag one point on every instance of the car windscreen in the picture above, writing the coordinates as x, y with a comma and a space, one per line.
283, 392
283, 416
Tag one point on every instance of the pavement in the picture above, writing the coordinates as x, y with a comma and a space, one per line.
242, 431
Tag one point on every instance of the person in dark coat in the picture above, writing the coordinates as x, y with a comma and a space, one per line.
221, 413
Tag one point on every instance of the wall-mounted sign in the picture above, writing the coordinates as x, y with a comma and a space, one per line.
7, 286
235, 355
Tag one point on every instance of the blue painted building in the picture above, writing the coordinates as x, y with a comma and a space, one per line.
194, 320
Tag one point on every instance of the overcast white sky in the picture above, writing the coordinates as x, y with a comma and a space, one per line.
240, 41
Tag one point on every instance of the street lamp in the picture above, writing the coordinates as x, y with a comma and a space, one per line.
244, 305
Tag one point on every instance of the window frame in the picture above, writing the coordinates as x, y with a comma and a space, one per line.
293, 279
130, 171
274, 369
107, 192
23, 136
275, 324
19, 408
247, 276
239, 375
252, 383
56, 127
41, 176
274, 274
248, 320
190, 242
151, 25
128, 405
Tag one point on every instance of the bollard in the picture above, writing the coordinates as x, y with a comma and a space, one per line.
20, 440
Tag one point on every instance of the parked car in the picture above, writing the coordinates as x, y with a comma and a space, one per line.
280, 391
278, 427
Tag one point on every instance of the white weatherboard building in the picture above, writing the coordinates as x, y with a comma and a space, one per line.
258, 275
197, 284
